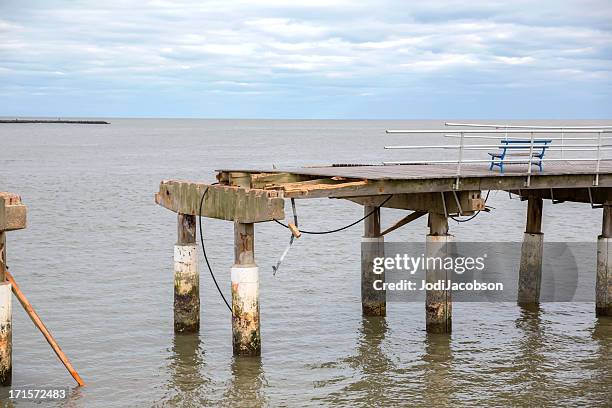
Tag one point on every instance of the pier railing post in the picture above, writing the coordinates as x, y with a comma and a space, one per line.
603, 283
532, 249
246, 340
373, 302
438, 303
186, 277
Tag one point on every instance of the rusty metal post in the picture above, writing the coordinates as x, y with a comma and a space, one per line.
373, 302
532, 250
438, 304
186, 277
603, 284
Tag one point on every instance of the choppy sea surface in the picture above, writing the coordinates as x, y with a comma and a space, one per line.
96, 262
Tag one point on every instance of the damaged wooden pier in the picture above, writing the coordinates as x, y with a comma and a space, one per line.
246, 196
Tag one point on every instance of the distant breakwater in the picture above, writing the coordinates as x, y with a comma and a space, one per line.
78, 122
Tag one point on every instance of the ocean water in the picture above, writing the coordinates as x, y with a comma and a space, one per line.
96, 263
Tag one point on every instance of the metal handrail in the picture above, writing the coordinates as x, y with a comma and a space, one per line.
489, 125
503, 131
529, 132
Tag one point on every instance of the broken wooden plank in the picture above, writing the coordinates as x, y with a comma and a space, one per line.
407, 219
222, 202
12, 212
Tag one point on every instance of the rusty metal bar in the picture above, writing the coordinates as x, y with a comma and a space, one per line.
40, 325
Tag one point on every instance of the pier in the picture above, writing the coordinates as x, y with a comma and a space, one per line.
67, 121
439, 189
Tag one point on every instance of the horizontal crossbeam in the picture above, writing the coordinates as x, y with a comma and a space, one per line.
221, 202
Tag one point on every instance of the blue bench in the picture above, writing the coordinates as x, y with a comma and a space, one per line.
519, 147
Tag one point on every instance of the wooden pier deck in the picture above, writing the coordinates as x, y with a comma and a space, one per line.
345, 180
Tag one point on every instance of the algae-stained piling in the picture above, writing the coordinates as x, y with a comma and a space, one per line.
186, 277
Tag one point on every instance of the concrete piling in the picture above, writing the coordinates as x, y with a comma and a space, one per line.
603, 282
532, 250
373, 302
6, 334
186, 277
246, 339
438, 303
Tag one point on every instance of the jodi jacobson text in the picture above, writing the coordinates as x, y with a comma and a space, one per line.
406, 285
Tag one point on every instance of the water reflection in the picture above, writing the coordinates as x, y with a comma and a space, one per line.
530, 368
247, 386
187, 384
437, 384
600, 382
372, 366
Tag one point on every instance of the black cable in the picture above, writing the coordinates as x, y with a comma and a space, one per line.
342, 228
473, 216
206, 257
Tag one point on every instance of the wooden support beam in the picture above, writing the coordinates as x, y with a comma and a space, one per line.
186, 277
12, 212
534, 215
407, 219
469, 201
246, 337
532, 252
603, 281
230, 203
438, 303
373, 301
598, 195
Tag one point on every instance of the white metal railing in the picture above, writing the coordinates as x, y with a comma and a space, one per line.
597, 134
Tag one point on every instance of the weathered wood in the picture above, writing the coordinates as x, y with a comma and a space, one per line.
246, 338
373, 301
407, 219
244, 239
577, 195
12, 212
222, 202
267, 180
186, 277
603, 281
2, 256
606, 223
438, 303
534, 215
435, 178
532, 252
469, 201
186, 229
317, 186
6, 334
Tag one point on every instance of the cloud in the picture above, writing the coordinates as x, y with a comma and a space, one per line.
273, 51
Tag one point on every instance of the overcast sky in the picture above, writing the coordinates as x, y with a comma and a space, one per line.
307, 59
